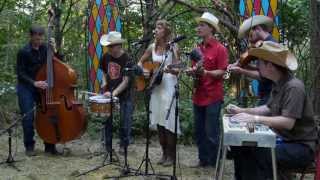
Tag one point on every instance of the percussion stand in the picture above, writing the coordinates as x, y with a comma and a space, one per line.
109, 150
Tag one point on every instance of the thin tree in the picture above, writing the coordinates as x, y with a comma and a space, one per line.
315, 53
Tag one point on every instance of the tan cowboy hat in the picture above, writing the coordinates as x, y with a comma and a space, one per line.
210, 19
254, 21
274, 53
113, 37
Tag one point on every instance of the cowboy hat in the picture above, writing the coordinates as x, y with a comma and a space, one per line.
254, 21
210, 19
113, 37
275, 53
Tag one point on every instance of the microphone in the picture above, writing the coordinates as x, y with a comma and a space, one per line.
195, 55
137, 70
141, 41
177, 39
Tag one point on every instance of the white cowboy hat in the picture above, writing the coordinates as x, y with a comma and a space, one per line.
113, 37
210, 19
274, 53
254, 21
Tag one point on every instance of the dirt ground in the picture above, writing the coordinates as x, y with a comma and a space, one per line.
85, 154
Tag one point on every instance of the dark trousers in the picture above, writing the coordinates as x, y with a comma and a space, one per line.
207, 131
27, 97
253, 163
126, 110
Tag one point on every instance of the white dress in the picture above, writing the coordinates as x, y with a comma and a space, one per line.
161, 97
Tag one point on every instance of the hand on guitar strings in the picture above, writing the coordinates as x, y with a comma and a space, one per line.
246, 118
233, 109
234, 68
40, 84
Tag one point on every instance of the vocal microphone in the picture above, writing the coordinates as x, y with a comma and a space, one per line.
177, 39
195, 55
141, 41
137, 70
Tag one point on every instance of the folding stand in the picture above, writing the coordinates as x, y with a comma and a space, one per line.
109, 152
10, 160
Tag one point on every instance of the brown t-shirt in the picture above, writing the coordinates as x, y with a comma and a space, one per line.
288, 98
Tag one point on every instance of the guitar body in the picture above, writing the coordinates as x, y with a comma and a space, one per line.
142, 81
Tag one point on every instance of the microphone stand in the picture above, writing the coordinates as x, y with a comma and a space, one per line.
147, 98
10, 160
175, 96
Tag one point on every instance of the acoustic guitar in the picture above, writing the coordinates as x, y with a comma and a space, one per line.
142, 81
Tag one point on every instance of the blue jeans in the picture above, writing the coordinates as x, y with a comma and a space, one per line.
27, 97
207, 131
253, 163
126, 110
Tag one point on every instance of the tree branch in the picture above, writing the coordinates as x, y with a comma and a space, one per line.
227, 24
68, 14
3, 4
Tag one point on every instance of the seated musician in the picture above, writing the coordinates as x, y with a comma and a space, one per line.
288, 113
113, 64
162, 93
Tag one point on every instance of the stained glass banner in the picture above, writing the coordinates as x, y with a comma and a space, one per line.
103, 17
269, 8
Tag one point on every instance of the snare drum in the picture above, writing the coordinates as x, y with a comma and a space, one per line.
101, 105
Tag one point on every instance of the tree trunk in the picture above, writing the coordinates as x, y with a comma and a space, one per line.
315, 53
57, 21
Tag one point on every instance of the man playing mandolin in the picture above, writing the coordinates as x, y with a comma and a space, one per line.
208, 95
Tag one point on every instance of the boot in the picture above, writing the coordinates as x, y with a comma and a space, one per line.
51, 149
171, 149
163, 144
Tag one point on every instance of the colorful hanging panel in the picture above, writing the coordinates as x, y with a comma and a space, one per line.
269, 8
103, 17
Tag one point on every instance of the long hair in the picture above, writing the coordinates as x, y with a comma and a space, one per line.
167, 31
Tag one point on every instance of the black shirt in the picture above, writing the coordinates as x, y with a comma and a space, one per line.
114, 69
29, 61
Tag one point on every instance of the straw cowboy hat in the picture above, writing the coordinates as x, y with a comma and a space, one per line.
113, 37
254, 21
274, 53
210, 19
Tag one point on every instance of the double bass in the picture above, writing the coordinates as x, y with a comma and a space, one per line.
60, 117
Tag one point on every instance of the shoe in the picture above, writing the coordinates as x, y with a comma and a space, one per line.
162, 160
121, 151
30, 153
51, 149
55, 152
200, 164
168, 162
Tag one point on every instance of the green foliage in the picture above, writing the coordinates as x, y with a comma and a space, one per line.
295, 22
18, 15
